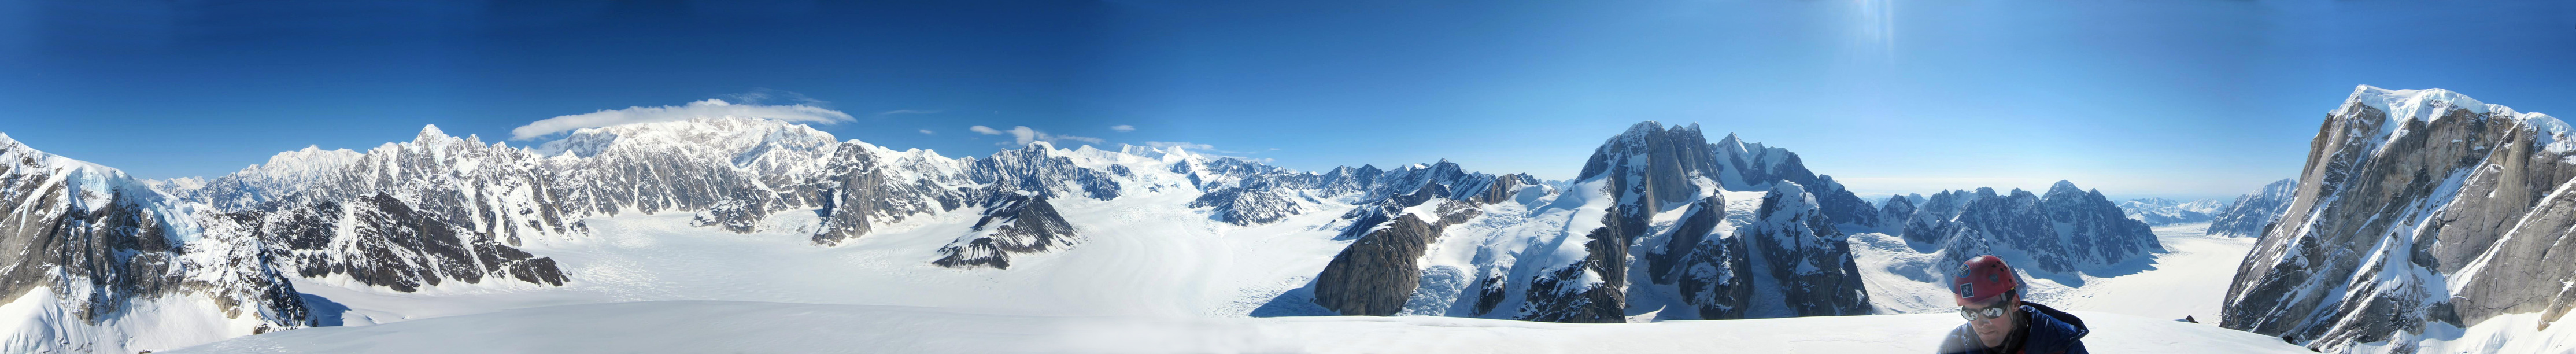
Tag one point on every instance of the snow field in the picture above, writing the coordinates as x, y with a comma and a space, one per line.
1133, 261
724, 326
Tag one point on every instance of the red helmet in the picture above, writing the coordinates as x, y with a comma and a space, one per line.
1982, 279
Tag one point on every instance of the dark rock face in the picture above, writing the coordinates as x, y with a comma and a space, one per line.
99, 243
1012, 225
2067, 230
2415, 207
1662, 264
2253, 212
1566, 295
862, 191
1672, 157
390, 244
1594, 290
1380, 272
1802, 265
1712, 274
1809, 260
1375, 275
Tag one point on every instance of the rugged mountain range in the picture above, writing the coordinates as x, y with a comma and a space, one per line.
2417, 209
2161, 211
2252, 212
1646, 227
2066, 230
1661, 220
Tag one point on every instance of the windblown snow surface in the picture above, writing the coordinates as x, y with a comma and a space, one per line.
2189, 279
769, 327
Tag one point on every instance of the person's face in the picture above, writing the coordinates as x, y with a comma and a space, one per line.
1992, 330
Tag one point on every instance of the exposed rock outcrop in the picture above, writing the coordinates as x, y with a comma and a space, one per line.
2415, 207
91, 245
1376, 274
1013, 224
1801, 257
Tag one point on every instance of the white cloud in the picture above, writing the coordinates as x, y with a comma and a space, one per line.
1122, 128
710, 108
1022, 135
1200, 147
1182, 144
927, 132
1210, 150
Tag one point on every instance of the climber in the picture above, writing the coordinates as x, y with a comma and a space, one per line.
1999, 322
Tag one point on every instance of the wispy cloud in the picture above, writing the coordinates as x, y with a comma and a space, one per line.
1181, 144
907, 111
1122, 128
928, 132
1022, 135
1202, 147
710, 108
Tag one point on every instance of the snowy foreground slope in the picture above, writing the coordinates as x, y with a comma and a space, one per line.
763, 327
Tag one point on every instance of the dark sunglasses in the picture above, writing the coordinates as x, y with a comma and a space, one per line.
1973, 314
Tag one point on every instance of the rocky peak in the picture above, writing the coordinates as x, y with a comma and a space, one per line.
1653, 165
2416, 207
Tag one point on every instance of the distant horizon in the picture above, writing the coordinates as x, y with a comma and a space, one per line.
2188, 99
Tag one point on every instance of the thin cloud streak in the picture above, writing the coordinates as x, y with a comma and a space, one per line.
710, 108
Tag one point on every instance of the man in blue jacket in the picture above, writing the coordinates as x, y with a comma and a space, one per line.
1989, 296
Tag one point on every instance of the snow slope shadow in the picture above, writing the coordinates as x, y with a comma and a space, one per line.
325, 313
1293, 303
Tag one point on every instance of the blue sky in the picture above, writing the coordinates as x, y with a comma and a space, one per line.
2137, 98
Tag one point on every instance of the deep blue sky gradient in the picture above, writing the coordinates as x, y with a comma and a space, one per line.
2138, 98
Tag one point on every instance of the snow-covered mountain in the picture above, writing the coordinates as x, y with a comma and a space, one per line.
2069, 229
1646, 227
2161, 212
1661, 224
2252, 212
2423, 219
105, 264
